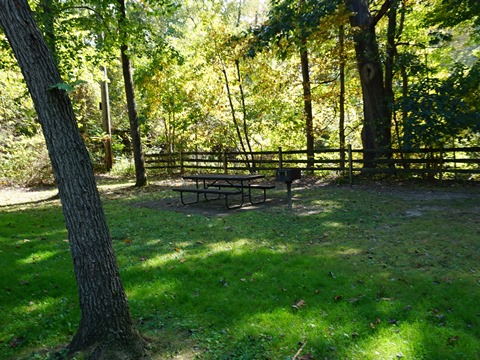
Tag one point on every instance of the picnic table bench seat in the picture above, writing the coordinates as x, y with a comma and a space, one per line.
263, 187
206, 191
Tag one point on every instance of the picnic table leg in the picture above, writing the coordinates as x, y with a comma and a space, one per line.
234, 206
189, 203
257, 202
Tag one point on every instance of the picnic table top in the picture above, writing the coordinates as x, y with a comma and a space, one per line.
234, 177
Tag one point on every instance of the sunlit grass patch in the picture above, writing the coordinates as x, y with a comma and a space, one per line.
348, 274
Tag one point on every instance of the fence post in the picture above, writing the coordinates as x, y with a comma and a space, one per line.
350, 164
280, 157
440, 165
225, 163
181, 163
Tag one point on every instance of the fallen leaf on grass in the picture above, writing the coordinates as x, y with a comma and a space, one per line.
355, 299
127, 241
299, 304
16, 341
306, 357
377, 321
452, 340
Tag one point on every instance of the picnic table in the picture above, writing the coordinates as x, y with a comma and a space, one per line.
218, 185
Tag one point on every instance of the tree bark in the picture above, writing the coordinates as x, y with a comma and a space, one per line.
106, 121
47, 14
341, 124
307, 97
376, 132
141, 178
390, 54
105, 325
244, 112
234, 117
307, 105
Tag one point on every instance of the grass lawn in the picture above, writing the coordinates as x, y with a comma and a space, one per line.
372, 271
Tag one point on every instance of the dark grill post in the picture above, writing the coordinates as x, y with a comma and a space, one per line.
287, 176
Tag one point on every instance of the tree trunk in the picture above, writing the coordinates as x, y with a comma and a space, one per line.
341, 124
376, 132
307, 105
105, 326
390, 54
244, 111
106, 121
46, 13
234, 117
141, 178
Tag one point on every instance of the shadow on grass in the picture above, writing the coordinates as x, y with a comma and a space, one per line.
345, 276
347, 280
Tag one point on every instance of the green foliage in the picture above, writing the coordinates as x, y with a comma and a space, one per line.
291, 22
24, 161
68, 88
180, 51
439, 111
449, 13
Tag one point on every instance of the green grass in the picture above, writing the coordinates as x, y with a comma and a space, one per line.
362, 272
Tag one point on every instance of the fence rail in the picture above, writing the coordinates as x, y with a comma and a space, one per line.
432, 163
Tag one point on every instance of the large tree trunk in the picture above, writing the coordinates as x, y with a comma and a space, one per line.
141, 178
376, 132
105, 325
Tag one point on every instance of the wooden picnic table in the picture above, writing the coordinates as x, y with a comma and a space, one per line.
224, 185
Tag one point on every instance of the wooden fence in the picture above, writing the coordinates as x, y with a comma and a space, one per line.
436, 163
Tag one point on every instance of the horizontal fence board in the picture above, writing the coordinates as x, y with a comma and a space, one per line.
430, 162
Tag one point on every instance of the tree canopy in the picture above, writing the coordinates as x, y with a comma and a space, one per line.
215, 75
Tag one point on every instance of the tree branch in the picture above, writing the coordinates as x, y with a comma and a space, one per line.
383, 10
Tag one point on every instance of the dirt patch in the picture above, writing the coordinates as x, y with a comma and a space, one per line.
208, 208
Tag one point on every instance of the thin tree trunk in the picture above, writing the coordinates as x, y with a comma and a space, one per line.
106, 121
234, 117
341, 125
307, 98
244, 110
389, 73
307, 105
141, 178
105, 324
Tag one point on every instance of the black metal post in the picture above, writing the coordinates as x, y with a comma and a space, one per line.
289, 194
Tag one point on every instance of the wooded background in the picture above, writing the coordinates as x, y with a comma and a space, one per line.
251, 76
